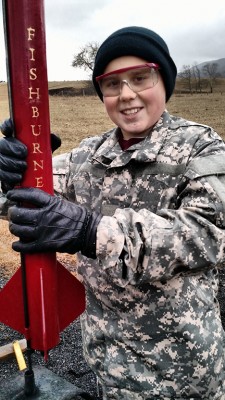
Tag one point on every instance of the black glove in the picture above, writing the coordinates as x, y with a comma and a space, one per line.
56, 225
55, 142
12, 162
13, 155
7, 130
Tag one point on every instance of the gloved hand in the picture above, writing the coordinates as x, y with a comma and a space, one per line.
12, 158
13, 155
55, 225
7, 130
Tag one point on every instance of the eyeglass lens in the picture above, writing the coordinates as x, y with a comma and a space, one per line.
137, 79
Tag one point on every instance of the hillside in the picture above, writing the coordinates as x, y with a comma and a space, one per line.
220, 67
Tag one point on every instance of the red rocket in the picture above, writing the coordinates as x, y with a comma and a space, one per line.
42, 297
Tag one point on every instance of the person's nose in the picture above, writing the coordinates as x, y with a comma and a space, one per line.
126, 91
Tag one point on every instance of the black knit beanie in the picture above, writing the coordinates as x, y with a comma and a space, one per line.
139, 42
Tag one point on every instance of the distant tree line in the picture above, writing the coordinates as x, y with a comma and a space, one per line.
192, 78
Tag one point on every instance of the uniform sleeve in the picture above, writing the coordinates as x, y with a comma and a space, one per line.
173, 241
61, 166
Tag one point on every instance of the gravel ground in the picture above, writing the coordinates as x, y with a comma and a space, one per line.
66, 359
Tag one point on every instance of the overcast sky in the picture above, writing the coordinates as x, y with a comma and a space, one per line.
194, 30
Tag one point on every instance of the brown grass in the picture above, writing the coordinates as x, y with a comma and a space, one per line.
75, 118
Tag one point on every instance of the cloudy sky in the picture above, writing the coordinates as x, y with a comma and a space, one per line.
193, 29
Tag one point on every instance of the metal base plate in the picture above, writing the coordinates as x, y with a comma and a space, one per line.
49, 387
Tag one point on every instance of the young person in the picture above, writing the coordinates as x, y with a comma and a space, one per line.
143, 205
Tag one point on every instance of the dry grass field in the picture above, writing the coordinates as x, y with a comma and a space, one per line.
75, 118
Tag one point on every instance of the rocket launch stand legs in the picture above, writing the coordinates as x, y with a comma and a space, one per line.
49, 386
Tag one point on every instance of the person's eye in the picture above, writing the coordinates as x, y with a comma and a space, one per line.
111, 83
137, 79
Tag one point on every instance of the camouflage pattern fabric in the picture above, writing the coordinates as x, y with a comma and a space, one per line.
152, 326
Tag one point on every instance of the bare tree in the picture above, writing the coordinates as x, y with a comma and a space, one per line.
186, 76
210, 70
196, 72
86, 56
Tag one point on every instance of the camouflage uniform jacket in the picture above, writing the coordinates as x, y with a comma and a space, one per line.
152, 327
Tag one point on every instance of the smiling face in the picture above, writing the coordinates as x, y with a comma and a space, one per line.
134, 113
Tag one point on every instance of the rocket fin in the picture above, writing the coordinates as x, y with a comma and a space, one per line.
47, 320
11, 303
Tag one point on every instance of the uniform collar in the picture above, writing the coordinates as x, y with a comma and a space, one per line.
146, 150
